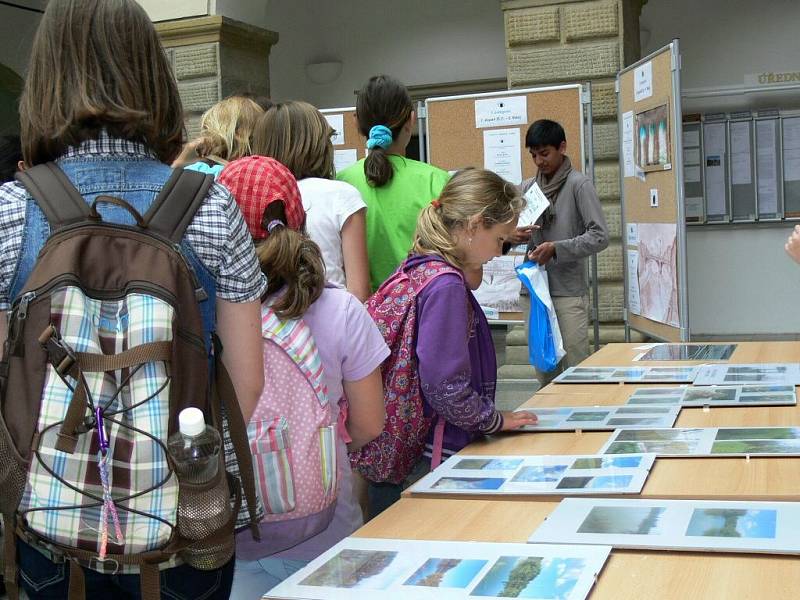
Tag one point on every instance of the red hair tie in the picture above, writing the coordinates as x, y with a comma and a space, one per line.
436, 203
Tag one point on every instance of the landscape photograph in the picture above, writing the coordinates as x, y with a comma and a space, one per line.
654, 400
540, 474
664, 435
710, 394
603, 462
726, 522
626, 520
601, 482
446, 573
488, 464
468, 483
531, 577
774, 446
759, 433
354, 569
651, 446
588, 416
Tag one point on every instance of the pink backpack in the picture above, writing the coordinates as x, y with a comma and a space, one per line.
392, 455
292, 437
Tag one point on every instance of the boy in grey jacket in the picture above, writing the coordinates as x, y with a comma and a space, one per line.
570, 229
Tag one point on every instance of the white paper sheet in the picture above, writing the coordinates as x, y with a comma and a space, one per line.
691, 156
500, 286
628, 147
750, 374
691, 137
741, 164
691, 525
716, 395
691, 174
628, 375
632, 234
694, 207
720, 442
344, 158
634, 301
658, 275
714, 137
643, 81
337, 123
767, 159
506, 110
502, 154
535, 204
538, 475
366, 569
791, 149
598, 418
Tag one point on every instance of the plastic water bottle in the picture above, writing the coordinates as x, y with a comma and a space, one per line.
203, 499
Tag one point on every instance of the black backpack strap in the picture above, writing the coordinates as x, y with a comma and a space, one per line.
61, 203
177, 203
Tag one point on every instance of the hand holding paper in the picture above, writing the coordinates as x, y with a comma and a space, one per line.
535, 204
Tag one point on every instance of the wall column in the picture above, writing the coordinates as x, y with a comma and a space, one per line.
213, 57
560, 41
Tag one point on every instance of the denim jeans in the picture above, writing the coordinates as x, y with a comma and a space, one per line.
383, 495
42, 578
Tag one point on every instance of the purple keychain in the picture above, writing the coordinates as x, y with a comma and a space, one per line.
108, 506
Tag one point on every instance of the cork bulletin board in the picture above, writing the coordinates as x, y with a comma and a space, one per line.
353, 140
651, 173
454, 141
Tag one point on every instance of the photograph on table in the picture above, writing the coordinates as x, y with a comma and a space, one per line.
652, 139
716, 395
362, 568
627, 375
537, 475
600, 418
705, 442
667, 352
691, 525
763, 375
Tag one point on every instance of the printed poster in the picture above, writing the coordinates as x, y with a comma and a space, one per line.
507, 110
337, 123
500, 286
658, 272
502, 153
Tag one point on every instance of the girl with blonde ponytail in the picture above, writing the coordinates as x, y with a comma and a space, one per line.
460, 231
350, 349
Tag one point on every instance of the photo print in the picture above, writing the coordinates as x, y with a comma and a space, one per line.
537, 475
690, 525
600, 418
631, 374
652, 140
395, 569
716, 395
668, 352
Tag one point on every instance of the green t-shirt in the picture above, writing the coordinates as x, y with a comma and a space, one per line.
392, 210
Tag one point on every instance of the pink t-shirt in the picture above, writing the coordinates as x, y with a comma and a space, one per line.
350, 347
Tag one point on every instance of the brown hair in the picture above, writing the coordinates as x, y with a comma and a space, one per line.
95, 65
289, 258
382, 101
469, 193
298, 135
226, 129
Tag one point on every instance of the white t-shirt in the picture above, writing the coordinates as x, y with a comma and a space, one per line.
328, 204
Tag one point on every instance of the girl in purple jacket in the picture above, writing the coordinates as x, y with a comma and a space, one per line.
466, 226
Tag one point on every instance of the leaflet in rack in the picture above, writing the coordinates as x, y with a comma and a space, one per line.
627, 375
715, 395
600, 418
691, 525
537, 475
365, 569
710, 441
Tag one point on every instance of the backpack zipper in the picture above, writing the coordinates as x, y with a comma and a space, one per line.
20, 306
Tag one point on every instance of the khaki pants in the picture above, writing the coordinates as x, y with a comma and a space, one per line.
573, 321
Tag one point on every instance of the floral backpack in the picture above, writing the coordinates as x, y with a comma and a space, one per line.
392, 455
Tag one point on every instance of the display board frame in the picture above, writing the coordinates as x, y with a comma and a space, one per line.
664, 67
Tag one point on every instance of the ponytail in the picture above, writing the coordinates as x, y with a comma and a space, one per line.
384, 104
289, 258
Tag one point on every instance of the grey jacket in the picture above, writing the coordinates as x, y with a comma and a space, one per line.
578, 230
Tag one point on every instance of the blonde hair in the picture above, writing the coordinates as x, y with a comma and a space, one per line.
226, 129
469, 193
296, 134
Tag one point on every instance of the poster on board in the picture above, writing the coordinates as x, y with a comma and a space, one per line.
658, 272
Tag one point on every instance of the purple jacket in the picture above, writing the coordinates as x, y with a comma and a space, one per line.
457, 363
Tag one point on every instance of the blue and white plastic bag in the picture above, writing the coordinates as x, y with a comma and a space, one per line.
545, 346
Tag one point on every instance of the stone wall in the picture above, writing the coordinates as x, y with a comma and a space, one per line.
574, 41
213, 57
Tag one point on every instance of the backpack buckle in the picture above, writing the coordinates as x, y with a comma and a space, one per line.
61, 356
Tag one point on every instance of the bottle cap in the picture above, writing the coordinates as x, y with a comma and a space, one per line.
191, 421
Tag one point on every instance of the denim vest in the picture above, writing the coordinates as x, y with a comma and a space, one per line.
137, 180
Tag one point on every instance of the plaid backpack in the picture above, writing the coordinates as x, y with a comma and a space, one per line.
292, 436
105, 347
392, 455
